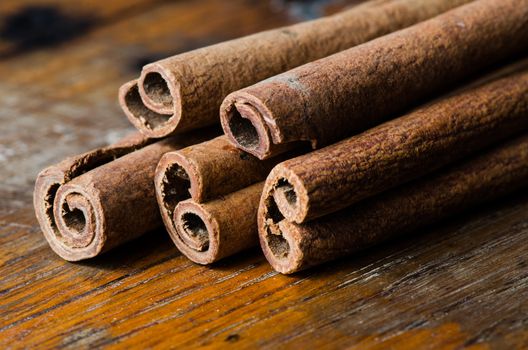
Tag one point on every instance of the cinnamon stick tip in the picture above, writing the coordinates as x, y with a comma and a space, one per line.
158, 89
244, 124
70, 217
196, 234
176, 178
147, 121
288, 192
280, 246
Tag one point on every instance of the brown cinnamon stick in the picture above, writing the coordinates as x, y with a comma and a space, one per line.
204, 172
215, 173
208, 232
90, 203
184, 92
397, 151
208, 170
291, 247
334, 97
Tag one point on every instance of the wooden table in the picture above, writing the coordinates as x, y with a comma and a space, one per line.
461, 284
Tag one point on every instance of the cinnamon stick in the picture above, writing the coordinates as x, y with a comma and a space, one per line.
208, 232
184, 92
397, 151
90, 203
208, 170
334, 97
215, 173
291, 247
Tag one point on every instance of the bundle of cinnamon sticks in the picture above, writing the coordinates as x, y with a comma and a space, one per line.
338, 133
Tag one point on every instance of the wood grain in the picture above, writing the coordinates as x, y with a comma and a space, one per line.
461, 285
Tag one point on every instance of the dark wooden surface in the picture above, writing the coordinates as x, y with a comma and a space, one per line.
461, 284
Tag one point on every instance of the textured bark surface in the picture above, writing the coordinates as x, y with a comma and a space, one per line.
291, 247
184, 92
329, 99
95, 201
208, 232
397, 151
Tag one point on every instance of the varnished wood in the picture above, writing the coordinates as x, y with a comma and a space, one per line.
461, 284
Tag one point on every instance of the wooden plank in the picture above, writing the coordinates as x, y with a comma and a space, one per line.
465, 283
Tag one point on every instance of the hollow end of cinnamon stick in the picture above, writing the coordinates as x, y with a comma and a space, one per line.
197, 233
175, 180
154, 120
290, 197
155, 91
71, 217
243, 122
280, 245
208, 232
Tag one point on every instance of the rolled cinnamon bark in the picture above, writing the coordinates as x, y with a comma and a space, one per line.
397, 151
90, 203
204, 172
334, 97
291, 247
208, 170
184, 92
208, 232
